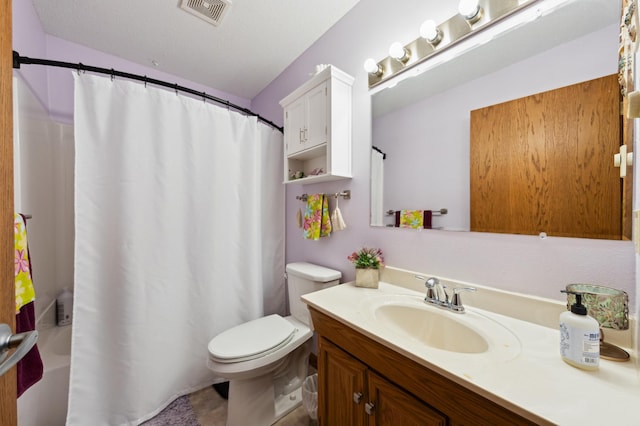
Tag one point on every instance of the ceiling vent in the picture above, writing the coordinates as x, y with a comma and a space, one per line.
211, 11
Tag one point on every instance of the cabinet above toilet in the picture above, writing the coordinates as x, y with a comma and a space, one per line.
317, 129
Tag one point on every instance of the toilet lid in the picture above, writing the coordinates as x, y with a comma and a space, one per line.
251, 339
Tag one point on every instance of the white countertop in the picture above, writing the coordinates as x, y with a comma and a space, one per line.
534, 380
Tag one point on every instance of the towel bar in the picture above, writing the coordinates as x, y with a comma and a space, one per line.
433, 212
345, 194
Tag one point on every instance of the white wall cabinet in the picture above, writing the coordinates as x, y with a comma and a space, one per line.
317, 128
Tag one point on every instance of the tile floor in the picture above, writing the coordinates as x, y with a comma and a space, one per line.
211, 410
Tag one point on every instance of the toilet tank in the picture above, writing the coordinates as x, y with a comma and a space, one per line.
303, 278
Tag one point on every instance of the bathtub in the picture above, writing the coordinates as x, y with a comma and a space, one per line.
45, 403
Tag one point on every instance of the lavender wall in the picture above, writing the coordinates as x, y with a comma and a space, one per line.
525, 264
29, 40
518, 263
54, 86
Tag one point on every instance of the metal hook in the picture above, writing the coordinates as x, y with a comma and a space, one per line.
145, 81
175, 85
112, 74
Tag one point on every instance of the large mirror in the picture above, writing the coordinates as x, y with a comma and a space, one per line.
421, 125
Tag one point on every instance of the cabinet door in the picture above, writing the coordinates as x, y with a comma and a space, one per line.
316, 130
392, 406
294, 131
341, 387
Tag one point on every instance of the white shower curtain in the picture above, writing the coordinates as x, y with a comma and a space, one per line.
179, 212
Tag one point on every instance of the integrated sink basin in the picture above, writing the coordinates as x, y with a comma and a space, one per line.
467, 334
432, 328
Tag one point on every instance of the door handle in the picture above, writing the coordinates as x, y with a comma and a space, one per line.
22, 341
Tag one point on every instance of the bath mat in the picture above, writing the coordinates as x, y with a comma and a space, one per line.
178, 413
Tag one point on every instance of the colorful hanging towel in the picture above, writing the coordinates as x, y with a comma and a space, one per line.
317, 222
24, 285
30, 368
413, 219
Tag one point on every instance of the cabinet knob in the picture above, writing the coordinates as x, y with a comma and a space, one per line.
357, 397
369, 407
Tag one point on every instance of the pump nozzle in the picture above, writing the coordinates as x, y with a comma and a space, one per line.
578, 307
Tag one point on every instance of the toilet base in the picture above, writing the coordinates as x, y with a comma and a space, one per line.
251, 402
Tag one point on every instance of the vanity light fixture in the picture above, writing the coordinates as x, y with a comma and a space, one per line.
470, 10
371, 67
398, 52
430, 32
436, 38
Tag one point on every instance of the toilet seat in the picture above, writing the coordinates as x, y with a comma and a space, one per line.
251, 340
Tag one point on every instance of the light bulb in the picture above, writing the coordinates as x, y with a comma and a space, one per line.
430, 32
371, 66
468, 8
397, 51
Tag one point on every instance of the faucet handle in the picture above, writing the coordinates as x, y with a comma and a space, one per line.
456, 300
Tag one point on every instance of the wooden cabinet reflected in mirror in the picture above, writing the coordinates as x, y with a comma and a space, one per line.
544, 163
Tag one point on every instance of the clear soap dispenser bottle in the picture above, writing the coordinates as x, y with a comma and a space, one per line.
579, 336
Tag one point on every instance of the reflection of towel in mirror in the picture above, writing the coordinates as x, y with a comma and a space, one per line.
413, 219
316, 218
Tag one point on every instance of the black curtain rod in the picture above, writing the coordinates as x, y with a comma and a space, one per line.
19, 60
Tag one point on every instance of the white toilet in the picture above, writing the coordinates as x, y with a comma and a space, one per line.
265, 360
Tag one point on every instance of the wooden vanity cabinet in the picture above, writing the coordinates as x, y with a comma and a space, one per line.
352, 394
341, 386
401, 391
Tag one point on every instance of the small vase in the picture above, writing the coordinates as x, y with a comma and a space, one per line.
367, 277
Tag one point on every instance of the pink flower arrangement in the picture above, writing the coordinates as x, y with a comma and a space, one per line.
367, 258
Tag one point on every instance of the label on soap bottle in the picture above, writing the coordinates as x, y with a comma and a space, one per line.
580, 346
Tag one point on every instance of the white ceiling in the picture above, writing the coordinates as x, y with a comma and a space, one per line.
255, 42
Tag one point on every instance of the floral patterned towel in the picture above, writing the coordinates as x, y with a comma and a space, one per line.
411, 219
24, 285
317, 222
415, 219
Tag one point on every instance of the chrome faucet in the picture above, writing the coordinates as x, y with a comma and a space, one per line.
437, 294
